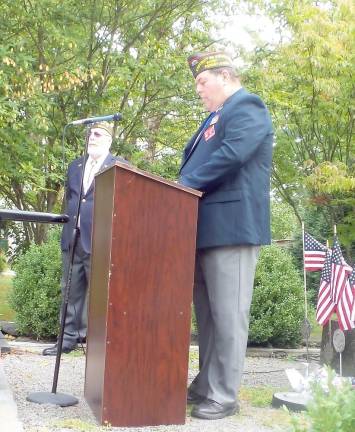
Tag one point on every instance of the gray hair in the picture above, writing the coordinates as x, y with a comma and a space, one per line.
232, 72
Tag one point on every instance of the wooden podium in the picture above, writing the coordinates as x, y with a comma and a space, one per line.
142, 267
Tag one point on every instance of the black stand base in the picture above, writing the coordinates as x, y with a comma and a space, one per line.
292, 400
60, 399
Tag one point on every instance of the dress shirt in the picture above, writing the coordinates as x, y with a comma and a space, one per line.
92, 167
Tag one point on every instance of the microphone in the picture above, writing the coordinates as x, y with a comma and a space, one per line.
86, 121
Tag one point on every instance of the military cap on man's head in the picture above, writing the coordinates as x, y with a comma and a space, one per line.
200, 62
107, 126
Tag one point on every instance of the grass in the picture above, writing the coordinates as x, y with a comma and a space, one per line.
76, 353
259, 397
279, 417
77, 425
6, 313
256, 403
193, 359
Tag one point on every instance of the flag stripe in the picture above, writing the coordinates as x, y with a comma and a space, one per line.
313, 253
325, 304
341, 289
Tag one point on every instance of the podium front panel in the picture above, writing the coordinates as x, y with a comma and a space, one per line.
144, 363
98, 292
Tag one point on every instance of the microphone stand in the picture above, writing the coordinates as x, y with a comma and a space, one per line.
53, 397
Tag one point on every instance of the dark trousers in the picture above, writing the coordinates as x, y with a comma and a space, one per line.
76, 318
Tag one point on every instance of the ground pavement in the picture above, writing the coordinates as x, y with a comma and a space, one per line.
25, 370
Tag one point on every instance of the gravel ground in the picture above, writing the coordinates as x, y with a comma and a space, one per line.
29, 372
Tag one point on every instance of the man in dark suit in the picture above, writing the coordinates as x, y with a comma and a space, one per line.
229, 159
99, 157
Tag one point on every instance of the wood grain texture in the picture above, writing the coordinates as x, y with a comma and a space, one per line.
98, 294
149, 302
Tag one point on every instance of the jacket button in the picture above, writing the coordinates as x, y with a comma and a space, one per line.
83, 200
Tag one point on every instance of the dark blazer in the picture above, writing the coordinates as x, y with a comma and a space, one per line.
231, 164
87, 203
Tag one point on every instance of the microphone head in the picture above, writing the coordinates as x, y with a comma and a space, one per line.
91, 120
117, 117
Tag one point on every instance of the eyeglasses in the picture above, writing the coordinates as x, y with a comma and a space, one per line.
97, 134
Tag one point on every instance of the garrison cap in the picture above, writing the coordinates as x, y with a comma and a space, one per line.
107, 126
200, 62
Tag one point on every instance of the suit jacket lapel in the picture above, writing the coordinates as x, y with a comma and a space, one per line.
192, 142
190, 148
107, 162
78, 172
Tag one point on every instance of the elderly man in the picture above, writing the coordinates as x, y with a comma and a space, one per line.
229, 159
99, 157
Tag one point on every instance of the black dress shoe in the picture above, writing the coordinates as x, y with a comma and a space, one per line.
194, 398
212, 410
52, 351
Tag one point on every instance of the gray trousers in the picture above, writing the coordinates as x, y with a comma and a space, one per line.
223, 290
76, 318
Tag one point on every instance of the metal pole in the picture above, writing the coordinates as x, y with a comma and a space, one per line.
305, 302
53, 397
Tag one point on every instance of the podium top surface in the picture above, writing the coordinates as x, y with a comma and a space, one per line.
153, 177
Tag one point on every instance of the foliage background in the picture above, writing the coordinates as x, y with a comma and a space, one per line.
276, 312
73, 59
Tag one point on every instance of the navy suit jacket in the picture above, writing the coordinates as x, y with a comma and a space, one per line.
87, 203
231, 164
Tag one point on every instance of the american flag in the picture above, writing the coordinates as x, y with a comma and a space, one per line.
352, 284
325, 304
345, 311
314, 253
340, 272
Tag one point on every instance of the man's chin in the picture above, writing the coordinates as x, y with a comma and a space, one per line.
207, 106
94, 154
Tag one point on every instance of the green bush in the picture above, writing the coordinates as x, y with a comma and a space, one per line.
332, 411
35, 296
278, 307
2, 262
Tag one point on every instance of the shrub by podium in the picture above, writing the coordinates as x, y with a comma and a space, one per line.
278, 307
35, 296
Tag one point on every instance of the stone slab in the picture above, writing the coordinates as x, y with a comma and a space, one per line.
8, 410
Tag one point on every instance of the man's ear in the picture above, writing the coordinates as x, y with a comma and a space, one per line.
225, 76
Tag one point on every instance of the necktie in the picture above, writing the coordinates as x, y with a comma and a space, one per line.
90, 175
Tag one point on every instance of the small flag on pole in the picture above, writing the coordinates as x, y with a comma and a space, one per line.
314, 253
352, 285
325, 304
345, 305
340, 271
